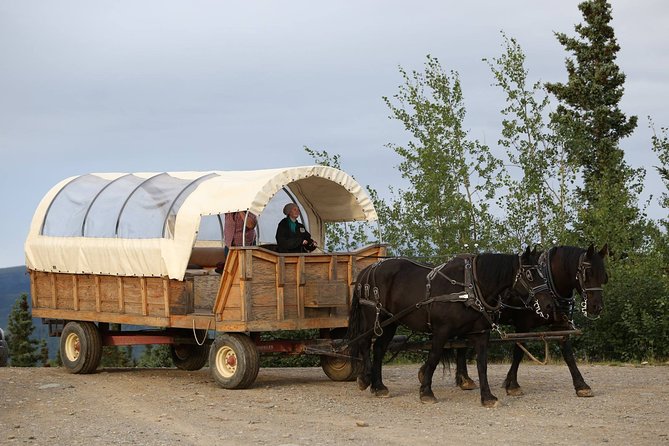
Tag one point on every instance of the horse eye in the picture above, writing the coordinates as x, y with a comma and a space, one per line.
529, 276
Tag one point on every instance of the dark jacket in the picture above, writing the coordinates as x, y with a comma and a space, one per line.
288, 241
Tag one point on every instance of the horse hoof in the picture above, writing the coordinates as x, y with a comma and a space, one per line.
362, 383
515, 391
585, 393
490, 404
467, 384
428, 399
381, 393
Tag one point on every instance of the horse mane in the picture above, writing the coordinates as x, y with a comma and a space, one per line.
495, 268
569, 257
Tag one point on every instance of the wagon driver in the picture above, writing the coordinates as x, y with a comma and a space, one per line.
291, 235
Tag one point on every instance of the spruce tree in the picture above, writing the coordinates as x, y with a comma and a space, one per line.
590, 120
22, 349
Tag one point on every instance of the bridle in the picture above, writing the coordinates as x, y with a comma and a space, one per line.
566, 304
583, 267
526, 276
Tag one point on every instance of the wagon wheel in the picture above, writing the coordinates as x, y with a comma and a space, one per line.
339, 368
234, 361
80, 347
189, 356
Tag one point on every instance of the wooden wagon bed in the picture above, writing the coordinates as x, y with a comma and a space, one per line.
259, 290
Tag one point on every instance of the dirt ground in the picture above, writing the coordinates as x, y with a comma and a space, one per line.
301, 406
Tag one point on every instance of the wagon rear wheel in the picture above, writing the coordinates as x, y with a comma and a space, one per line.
80, 347
189, 356
234, 361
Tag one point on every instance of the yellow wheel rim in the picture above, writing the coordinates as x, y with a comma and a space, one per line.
226, 361
72, 347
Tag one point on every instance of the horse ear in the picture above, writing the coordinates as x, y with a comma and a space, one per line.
534, 250
527, 251
591, 250
604, 251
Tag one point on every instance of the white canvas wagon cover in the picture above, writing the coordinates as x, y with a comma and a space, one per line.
145, 224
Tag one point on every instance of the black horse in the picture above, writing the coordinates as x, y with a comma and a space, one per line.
460, 297
567, 268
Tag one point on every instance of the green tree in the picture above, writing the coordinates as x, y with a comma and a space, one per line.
115, 356
22, 349
452, 178
156, 356
539, 203
660, 145
590, 120
44, 353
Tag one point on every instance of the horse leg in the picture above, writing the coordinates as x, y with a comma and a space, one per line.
511, 382
582, 389
427, 370
462, 378
380, 347
365, 376
481, 346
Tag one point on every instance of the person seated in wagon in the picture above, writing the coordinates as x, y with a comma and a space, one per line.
291, 235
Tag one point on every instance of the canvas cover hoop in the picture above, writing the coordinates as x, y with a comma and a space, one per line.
325, 193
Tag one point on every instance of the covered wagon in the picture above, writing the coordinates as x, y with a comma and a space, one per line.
111, 251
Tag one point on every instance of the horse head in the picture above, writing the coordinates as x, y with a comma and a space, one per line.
591, 275
531, 286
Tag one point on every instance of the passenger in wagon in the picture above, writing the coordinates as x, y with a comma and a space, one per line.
235, 233
291, 235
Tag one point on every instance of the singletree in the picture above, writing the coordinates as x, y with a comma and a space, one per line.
22, 349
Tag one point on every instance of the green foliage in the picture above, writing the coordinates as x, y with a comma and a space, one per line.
452, 178
44, 353
22, 349
114, 356
538, 205
635, 321
591, 123
660, 145
156, 356
283, 360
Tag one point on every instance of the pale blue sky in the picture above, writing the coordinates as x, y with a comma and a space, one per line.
123, 86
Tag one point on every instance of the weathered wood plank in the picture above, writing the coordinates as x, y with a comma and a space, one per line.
142, 287
166, 296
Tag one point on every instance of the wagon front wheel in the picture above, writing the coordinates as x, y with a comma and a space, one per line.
80, 347
234, 361
341, 369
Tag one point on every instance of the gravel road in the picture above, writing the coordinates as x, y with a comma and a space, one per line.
301, 406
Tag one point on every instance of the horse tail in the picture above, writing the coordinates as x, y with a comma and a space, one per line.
356, 326
355, 323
